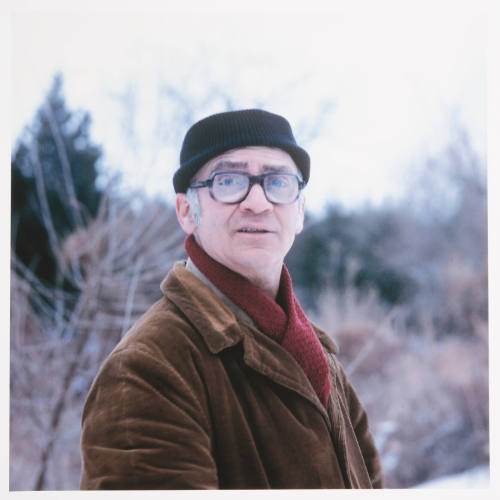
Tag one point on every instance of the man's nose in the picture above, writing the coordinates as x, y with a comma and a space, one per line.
256, 200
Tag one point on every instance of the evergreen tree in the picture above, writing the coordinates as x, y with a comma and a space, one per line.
340, 249
53, 187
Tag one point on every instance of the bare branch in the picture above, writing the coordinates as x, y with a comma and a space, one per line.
130, 295
65, 166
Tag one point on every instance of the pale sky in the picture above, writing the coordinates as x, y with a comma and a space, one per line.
395, 81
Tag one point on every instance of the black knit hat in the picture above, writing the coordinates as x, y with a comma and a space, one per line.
221, 132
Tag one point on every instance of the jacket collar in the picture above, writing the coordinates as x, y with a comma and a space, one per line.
237, 311
214, 321
215, 316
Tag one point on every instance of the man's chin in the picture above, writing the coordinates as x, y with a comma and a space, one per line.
260, 248
257, 257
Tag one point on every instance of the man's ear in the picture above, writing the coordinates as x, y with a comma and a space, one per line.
300, 216
184, 214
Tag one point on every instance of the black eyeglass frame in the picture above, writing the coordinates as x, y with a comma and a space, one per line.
252, 179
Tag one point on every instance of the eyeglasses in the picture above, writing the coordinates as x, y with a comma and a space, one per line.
233, 187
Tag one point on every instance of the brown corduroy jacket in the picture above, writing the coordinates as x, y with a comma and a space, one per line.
195, 397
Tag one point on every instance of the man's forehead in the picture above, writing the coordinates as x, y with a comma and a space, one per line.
242, 157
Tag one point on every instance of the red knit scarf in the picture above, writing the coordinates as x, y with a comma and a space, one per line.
283, 320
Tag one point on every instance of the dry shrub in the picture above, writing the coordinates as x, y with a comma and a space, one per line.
464, 310
59, 339
24, 438
426, 395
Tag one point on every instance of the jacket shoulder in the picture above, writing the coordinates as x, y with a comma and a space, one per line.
161, 325
146, 402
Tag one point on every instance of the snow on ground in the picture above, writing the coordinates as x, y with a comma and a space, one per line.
479, 477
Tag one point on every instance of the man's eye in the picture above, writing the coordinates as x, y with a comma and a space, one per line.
279, 182
228, 180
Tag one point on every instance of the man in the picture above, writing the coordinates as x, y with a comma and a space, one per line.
224, 383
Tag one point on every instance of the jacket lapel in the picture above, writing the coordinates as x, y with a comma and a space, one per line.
222, 327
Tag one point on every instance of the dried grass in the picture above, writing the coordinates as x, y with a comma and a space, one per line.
426, 394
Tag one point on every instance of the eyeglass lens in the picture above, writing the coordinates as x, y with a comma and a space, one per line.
231, 187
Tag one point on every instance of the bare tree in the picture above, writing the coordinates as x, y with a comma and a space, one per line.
60, 338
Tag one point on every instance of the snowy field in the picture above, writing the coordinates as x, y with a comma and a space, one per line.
479, 477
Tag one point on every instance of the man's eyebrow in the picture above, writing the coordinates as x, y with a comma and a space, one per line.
241, 165
226, 164
277, 168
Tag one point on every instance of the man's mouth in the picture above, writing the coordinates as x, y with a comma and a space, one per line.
252, 230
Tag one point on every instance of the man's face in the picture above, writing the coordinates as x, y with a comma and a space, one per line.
252, 236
